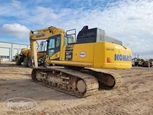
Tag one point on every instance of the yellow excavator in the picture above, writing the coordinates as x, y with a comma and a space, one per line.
79, 62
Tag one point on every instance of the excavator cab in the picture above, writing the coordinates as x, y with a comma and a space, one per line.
54, 44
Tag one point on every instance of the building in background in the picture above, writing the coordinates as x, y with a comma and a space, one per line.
9, 50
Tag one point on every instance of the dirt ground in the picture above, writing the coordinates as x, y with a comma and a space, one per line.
134, 97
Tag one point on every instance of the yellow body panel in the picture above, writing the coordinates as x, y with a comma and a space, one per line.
97, 55
70, 63
55, 56
86, 50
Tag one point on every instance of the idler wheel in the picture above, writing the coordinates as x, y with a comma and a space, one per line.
81, 86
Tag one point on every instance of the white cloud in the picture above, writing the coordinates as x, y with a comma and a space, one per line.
17, 30
16, 4
46, 12
130, 21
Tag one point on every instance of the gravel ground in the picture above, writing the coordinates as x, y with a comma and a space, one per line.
134, 97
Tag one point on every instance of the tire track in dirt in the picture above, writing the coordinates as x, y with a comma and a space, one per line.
134, 96
111, 106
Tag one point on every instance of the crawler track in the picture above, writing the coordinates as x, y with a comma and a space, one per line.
104, 75
81, 83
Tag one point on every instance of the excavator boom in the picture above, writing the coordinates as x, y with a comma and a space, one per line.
42, 34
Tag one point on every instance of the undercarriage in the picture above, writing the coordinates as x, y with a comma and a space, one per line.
80, 83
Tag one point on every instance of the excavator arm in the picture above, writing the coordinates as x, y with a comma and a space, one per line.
42, 34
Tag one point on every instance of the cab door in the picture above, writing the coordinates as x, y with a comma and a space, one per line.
53, 47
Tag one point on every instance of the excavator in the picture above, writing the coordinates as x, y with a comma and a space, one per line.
82, 64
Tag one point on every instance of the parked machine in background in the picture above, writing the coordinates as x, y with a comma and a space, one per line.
147, 63
141, 62
137, 62
25, 58
151, 61
80, 61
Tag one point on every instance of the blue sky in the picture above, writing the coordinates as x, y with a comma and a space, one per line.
130, 21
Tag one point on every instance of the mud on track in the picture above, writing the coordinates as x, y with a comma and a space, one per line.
135, 97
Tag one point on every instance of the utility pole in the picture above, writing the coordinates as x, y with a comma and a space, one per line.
138, 56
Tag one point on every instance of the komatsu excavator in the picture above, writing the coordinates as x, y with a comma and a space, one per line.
79, 64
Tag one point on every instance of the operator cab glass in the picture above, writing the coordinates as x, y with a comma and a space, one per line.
68, 40
135, 59
42, 46
54, 42
53, 45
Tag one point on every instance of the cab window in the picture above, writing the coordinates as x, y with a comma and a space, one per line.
68, 40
